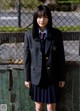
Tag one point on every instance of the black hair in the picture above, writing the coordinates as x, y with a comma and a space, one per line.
47, 12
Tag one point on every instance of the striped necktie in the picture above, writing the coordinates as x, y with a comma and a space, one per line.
42, 35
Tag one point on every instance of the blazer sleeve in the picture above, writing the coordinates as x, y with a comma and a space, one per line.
27, 58
61, 57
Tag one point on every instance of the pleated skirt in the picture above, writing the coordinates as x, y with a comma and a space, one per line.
41, 94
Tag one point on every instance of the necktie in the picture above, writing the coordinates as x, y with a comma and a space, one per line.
42, 42
42, 35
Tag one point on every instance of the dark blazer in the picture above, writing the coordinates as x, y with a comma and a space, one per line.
54, 55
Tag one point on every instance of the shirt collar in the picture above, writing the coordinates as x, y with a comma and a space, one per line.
45, 31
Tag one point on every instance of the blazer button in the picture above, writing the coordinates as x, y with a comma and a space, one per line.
46, 58
54, 48
48, 67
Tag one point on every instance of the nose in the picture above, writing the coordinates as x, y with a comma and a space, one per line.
42, 18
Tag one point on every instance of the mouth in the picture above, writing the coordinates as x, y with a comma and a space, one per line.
42, 23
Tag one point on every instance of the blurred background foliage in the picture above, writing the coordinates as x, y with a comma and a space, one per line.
61, 5
12, 4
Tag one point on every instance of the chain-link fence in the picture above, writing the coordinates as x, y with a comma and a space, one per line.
19, 13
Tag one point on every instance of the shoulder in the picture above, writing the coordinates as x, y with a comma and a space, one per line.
56, 34
29, 32
56, 31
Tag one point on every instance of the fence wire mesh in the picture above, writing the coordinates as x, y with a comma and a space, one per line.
19, 13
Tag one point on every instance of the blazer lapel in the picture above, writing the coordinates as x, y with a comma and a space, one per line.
37, 39
47, 45
48, 42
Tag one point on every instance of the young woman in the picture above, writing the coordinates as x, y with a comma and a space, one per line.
44, 60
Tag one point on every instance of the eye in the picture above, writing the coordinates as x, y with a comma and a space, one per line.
40, 16
46, 16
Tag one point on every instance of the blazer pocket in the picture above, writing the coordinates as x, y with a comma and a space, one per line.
35, 69
33, 72
54, 48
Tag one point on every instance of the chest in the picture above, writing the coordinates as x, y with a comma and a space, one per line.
50, 47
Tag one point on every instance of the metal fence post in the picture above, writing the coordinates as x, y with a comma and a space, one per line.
19, 13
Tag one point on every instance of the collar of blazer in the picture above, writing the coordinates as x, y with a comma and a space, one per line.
48, 42
49, 37
47, 45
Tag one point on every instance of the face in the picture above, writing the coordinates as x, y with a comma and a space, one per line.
42, 20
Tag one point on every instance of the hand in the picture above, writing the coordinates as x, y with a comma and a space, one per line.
61, 84
28, 84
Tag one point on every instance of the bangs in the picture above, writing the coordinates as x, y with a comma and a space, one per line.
42, 14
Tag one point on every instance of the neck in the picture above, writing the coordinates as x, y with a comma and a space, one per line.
42, 29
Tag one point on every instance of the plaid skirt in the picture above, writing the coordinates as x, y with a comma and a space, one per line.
41, 94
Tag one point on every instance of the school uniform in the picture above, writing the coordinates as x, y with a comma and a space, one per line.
44, 63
